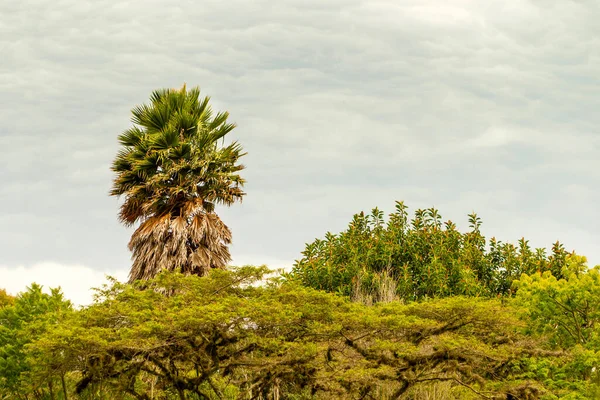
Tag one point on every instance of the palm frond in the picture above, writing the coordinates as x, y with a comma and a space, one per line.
165, 140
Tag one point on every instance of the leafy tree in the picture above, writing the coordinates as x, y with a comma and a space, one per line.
566, 313
173, 172
224, 337
567, 309
30, 315
417, 259
5, 298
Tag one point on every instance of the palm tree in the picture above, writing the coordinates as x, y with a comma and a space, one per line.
172, 173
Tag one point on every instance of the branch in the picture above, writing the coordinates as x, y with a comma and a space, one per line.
471, 389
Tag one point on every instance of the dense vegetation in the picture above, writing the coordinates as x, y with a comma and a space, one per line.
388, 309
225, 337
419, 258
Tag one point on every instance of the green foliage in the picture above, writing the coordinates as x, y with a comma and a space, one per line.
172, 154
5, 298
23, 320
425, 257
235, 335
566, 313
224, 337
568, 310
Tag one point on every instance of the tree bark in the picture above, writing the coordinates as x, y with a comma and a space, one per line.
64, 386
51, 389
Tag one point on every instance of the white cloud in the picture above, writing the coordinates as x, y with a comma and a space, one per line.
494, 137
258, 260
76, 281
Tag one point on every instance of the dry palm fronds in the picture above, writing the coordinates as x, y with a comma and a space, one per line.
168, 243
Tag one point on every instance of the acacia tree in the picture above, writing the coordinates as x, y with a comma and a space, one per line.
235, 339
173, 172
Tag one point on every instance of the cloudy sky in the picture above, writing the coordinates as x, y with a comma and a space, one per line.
343, 105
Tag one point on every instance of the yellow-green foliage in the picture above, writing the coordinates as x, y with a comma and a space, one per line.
5, 298
223, 336
565, 313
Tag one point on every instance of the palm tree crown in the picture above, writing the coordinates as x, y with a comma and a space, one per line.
172, 173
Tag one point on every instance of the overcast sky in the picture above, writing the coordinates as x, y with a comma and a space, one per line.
343, 105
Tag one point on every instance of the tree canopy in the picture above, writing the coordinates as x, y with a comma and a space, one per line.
22, 320
224, 337
418, 258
